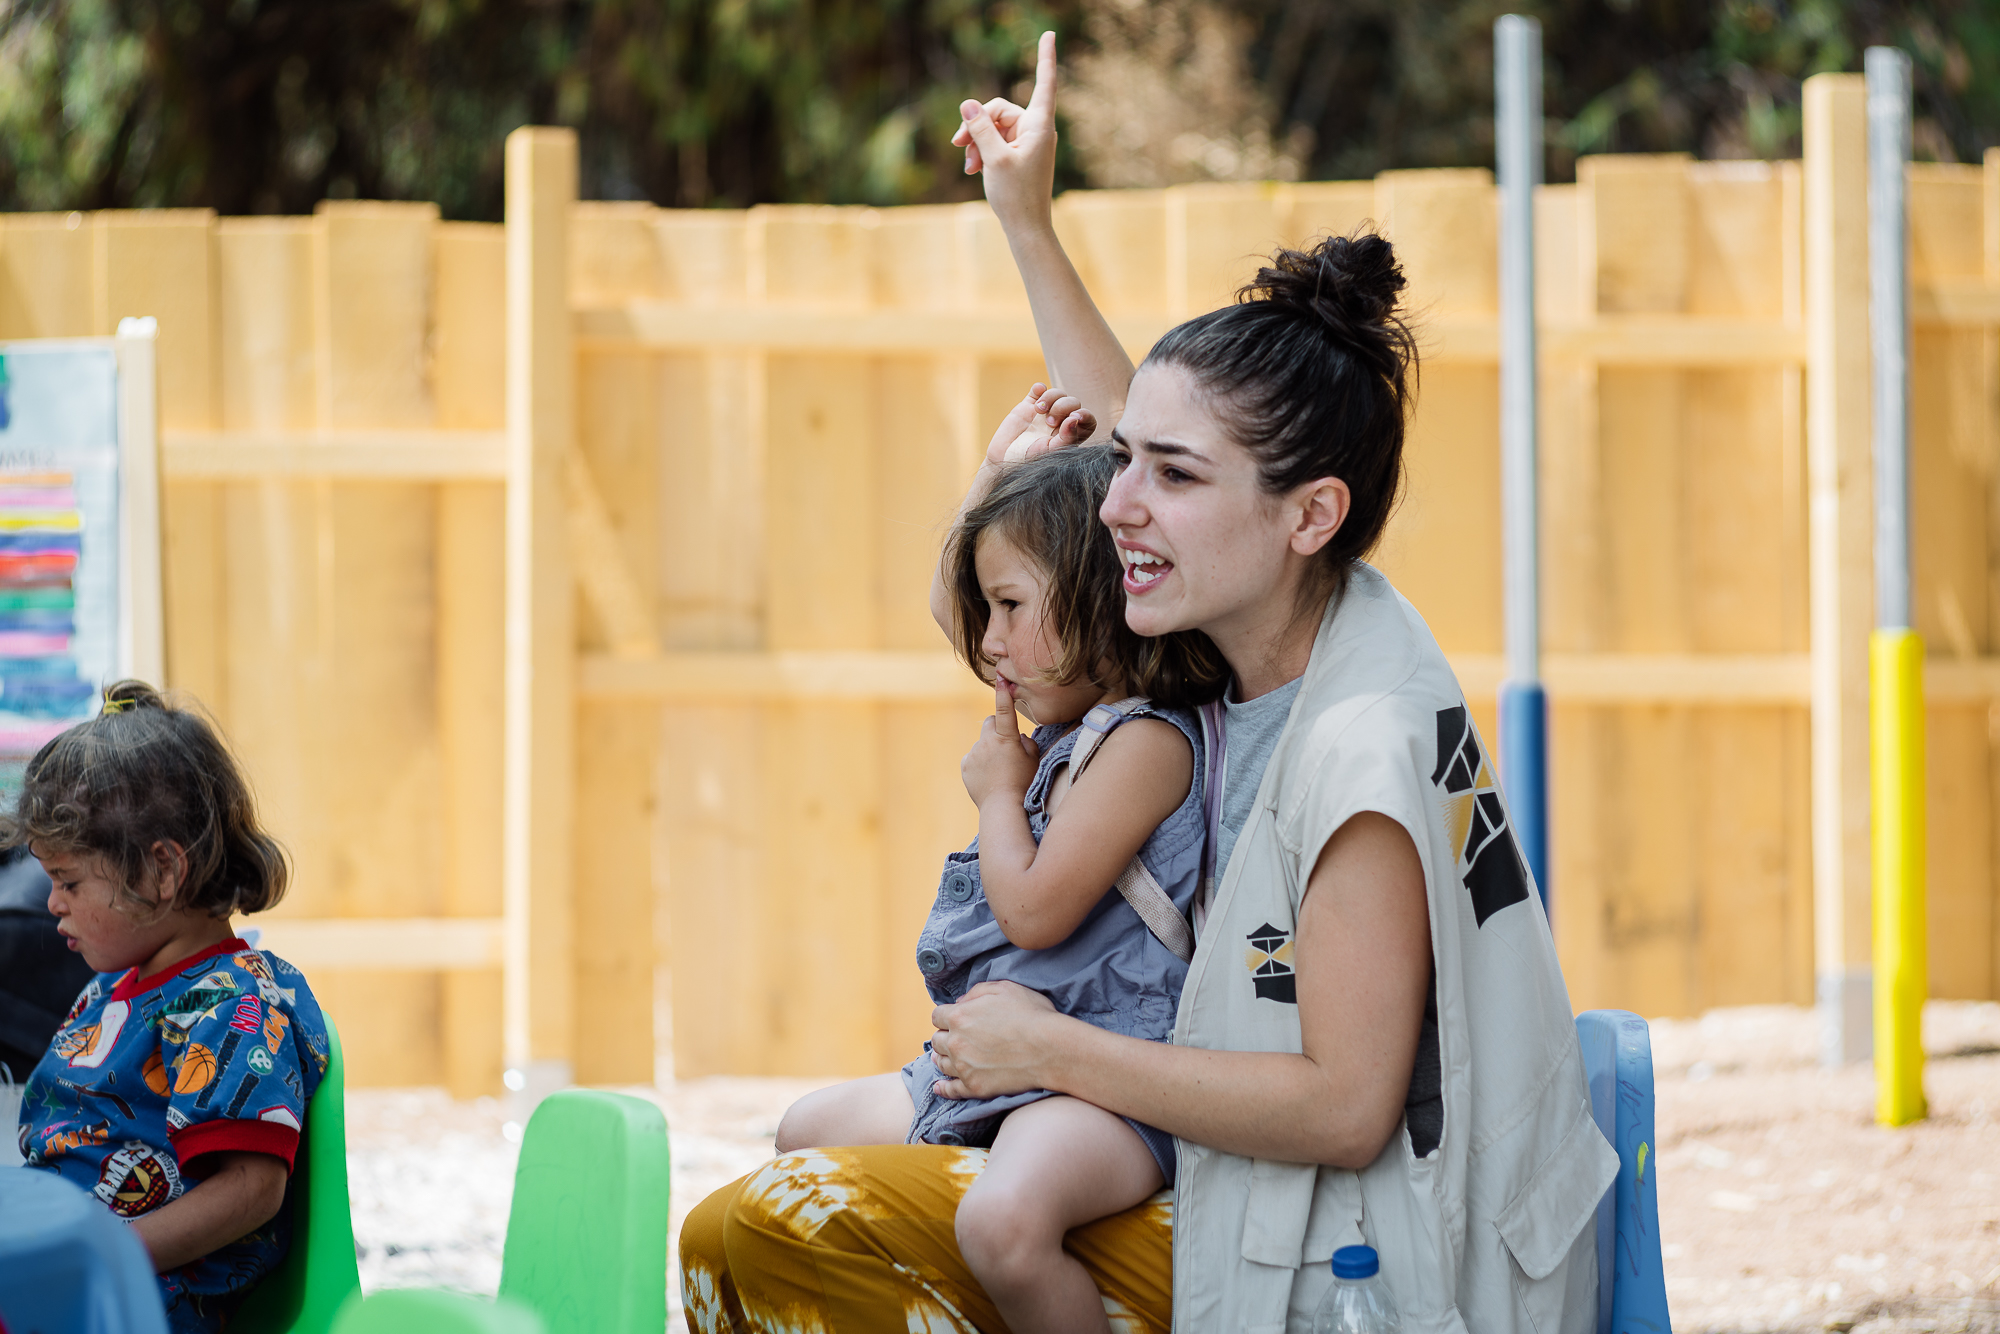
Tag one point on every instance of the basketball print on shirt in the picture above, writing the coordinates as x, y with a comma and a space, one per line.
1491, 866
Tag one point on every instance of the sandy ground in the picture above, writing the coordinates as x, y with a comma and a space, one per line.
1783, 1206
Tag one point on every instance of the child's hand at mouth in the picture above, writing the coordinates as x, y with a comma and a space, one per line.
1002, 762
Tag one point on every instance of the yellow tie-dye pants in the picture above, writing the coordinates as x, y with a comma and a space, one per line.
860, 1241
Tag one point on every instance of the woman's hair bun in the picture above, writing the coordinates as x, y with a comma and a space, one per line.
1353, 284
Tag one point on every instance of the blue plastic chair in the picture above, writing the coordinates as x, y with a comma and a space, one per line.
1631, 1280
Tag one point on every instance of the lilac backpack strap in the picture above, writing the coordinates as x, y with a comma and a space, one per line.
1135, 882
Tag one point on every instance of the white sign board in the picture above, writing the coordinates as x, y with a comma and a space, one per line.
79, 532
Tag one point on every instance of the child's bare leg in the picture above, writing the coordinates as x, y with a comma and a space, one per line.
875, 1110
1056, 1164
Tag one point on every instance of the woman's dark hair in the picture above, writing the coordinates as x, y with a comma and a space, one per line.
148, 771
1047, 507
1315, 367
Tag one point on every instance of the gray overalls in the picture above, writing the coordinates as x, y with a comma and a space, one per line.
1112, 971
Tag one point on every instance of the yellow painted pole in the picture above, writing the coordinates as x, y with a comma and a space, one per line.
1902, 965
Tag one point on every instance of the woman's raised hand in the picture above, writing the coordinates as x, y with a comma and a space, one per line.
1046, 419
1014, 148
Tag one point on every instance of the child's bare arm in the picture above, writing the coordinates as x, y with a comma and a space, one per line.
1014, 151
241, 1194
1046, 419
1041, 893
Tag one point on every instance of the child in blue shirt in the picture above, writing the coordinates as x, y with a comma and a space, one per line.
176, 1089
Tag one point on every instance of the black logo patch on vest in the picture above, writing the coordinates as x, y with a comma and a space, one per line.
1269, 960
1494, 873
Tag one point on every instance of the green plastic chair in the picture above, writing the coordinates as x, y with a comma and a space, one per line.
587, 1232
429, 1311
304, 1294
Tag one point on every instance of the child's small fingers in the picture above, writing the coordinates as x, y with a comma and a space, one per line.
1078, 427
1003, 709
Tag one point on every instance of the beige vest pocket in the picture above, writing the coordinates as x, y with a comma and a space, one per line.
1274, 1223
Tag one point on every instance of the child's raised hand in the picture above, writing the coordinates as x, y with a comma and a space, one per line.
1014, 148
1046, 419
1002, 762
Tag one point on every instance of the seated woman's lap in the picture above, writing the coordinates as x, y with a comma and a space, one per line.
861, 1239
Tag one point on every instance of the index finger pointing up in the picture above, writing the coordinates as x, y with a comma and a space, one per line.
1044, 98
1003, 709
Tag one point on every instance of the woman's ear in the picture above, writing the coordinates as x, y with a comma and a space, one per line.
1321, 507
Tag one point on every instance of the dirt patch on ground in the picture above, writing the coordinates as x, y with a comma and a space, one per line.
1782, 1204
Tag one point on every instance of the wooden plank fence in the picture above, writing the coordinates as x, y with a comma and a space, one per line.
564, 583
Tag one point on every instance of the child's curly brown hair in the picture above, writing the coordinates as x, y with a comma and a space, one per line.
148, 771
1047, 507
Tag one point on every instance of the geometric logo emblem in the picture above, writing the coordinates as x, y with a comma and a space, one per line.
1493, 871
1269, 960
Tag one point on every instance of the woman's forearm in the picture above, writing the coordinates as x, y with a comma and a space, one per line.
1298, 1114
1084, 357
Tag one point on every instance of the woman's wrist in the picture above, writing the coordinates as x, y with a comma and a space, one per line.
1033, 239
1055, 1042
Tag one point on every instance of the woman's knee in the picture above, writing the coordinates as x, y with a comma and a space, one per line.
707, 1293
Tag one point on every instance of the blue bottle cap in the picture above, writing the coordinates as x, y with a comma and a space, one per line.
1355, 1262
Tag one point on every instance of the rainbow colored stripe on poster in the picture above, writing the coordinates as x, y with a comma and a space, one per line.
41, 542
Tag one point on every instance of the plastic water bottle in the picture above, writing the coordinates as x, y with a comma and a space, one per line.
1358, 1302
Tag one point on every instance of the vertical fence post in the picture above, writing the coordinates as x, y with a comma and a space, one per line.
540, 637
1524, 709
1840, 575
142, 649
1895, 652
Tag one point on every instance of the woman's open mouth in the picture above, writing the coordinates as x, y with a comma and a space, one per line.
1143, 569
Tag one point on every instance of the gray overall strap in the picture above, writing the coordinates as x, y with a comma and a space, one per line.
1135, 882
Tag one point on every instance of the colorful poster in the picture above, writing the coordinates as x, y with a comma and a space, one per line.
58, 542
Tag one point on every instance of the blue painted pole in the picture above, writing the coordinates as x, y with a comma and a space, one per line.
1524, 708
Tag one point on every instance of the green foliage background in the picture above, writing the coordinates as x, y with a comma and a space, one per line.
263, 106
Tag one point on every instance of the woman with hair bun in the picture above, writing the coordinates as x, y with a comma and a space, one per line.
1374, 1044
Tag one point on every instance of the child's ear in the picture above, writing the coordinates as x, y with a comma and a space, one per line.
170, 867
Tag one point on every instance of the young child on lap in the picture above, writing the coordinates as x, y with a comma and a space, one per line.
1106, 797
176, 1089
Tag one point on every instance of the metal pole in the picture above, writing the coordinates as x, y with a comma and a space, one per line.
1895, 653
1517, 105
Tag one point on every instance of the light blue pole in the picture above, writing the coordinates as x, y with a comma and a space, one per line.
1524, 706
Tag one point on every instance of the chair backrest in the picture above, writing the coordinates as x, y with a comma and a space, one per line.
429, 1311
1618, 1062
587, 1230
304, 1293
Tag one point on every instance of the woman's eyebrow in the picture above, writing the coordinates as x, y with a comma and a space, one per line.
1167, 448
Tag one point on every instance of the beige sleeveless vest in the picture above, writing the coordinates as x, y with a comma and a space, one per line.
1488, 1233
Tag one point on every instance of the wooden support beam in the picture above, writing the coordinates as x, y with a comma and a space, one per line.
356, 455
540, 629
906, 676
1657, 340
392, 944
142, 648
1840, 540
602, 573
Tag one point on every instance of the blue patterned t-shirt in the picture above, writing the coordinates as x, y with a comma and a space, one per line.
148, 1076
